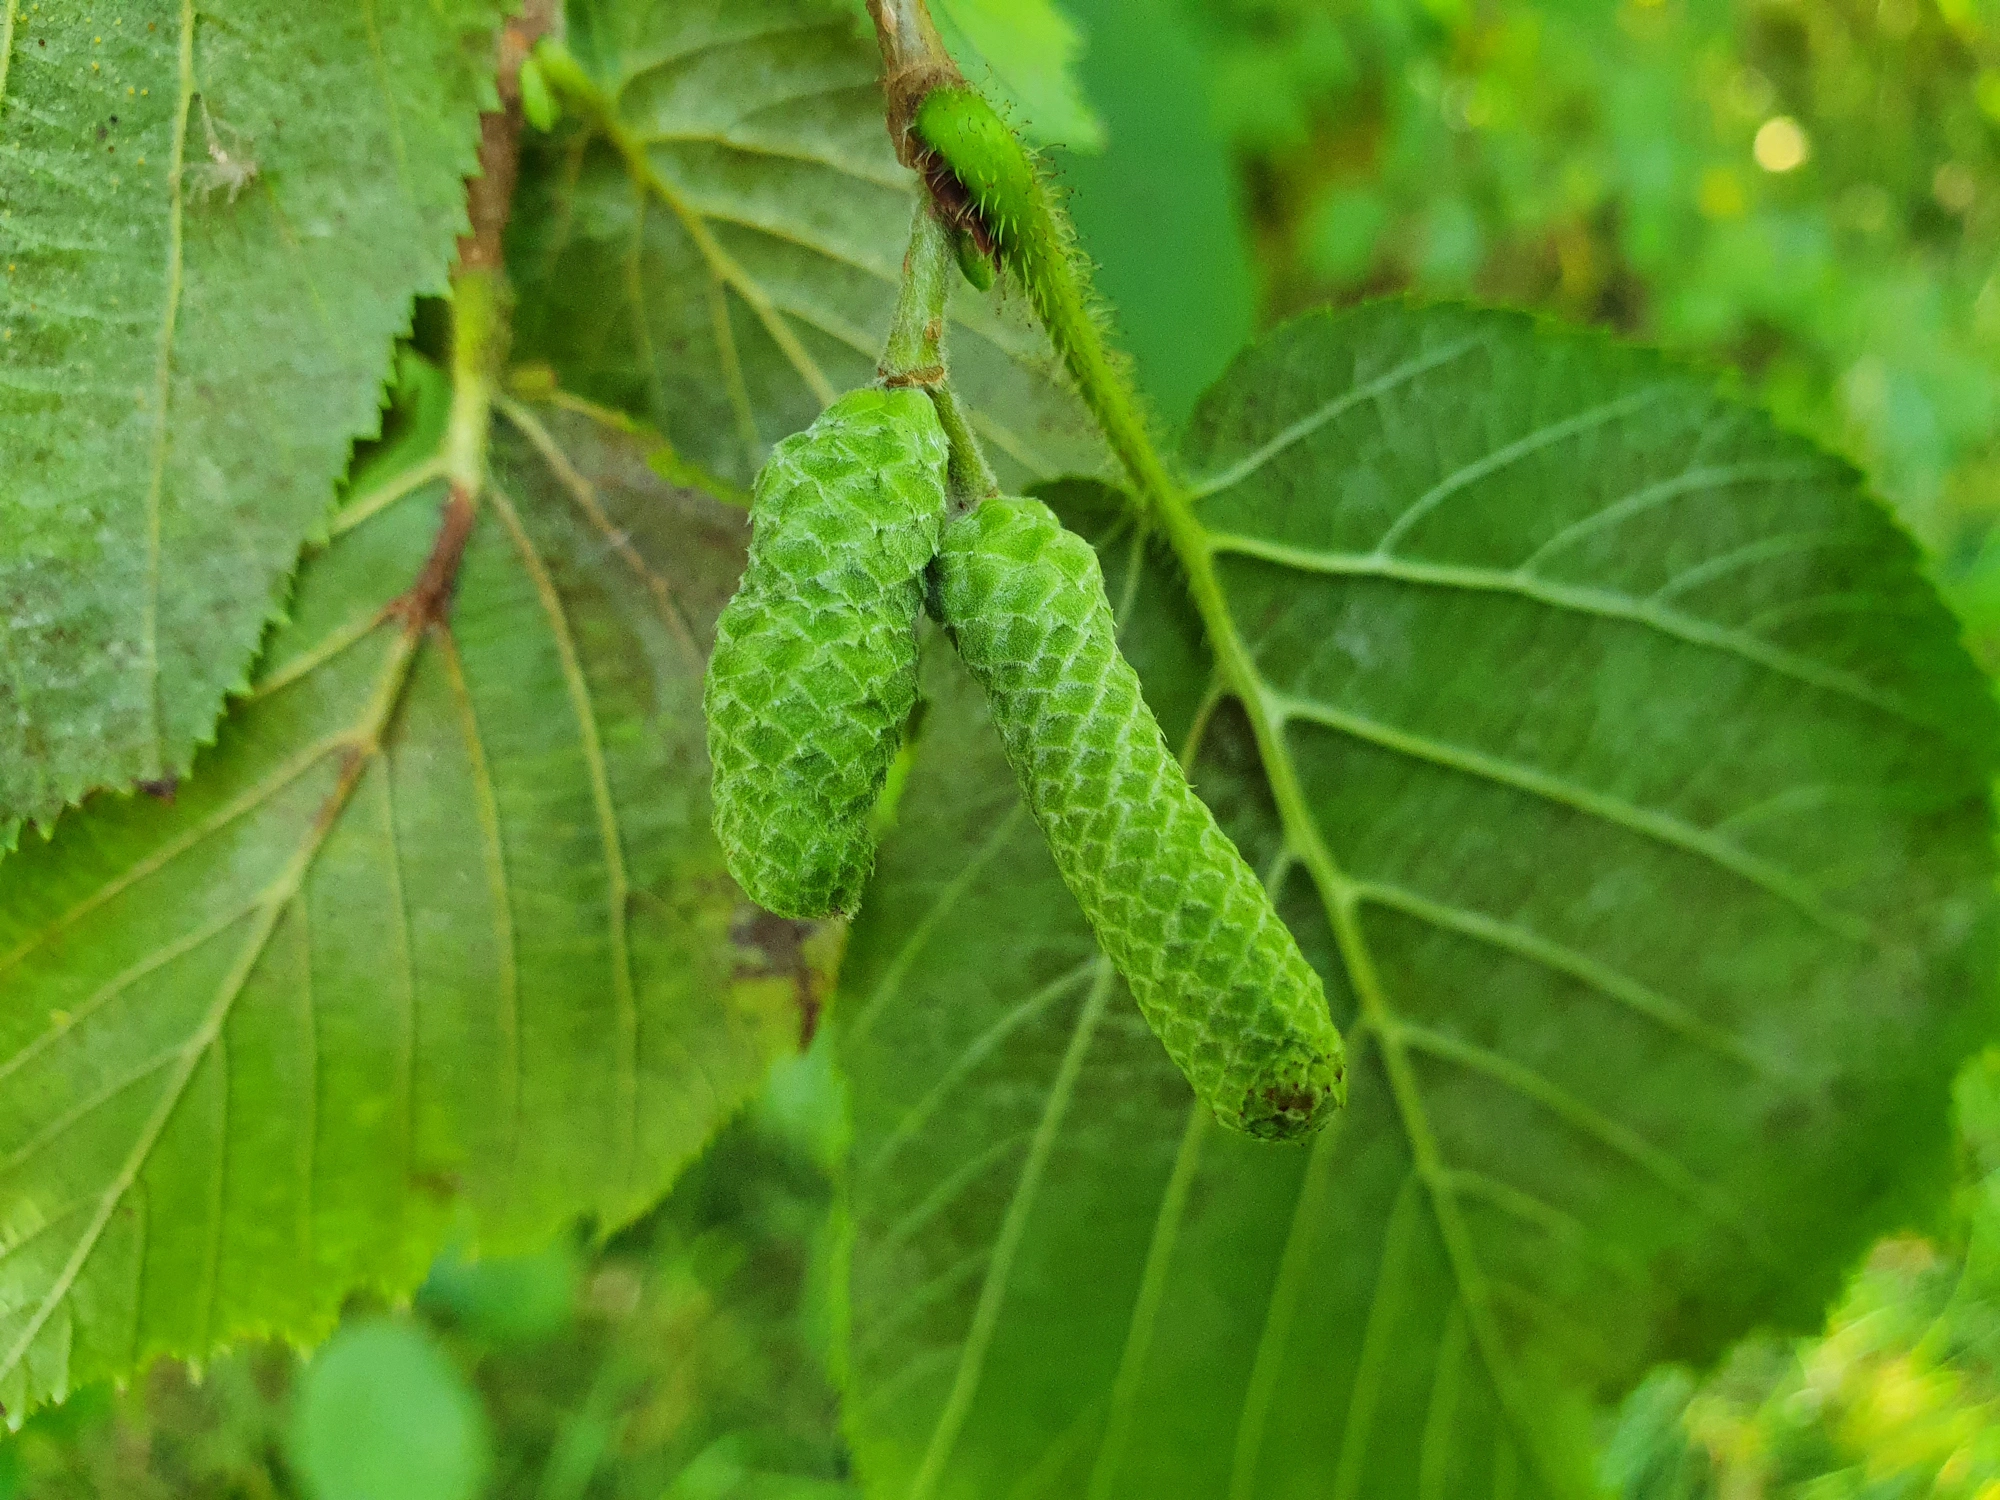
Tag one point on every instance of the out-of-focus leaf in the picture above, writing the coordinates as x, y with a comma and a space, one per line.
383, 1415
212, 221
505, 1299
1156, 210
435, 939
1628, 786
717, 245
1023, 54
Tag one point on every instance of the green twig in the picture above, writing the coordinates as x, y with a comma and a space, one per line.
971, 478
915, 353
480, 305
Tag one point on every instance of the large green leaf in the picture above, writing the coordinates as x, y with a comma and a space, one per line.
718, 246
436, 936
1628, 786
185, 352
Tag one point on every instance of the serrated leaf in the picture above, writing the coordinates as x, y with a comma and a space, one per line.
435, 939
212, 222
1628, 786
719, 249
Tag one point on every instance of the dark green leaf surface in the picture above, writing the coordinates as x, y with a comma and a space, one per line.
1627, 786
188, 345
430, 939
720, 253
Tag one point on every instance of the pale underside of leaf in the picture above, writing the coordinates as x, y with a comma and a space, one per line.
434, 940
721, 252
192, 331
1653, 903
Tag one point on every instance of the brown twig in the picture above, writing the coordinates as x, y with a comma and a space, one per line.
425, 602
480, 300
913, 63
489, 197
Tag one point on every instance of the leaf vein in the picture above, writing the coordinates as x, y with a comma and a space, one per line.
1568, 962
1545, 436
1575, 599
1660, 827
609, 835
1013, 1228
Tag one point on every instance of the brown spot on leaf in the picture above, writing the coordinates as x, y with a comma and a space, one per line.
772, 947
441, 1185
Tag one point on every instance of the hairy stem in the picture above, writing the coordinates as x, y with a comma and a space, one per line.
968, 475
914, 354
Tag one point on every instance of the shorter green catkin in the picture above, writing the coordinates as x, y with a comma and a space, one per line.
1213, 967
814, 671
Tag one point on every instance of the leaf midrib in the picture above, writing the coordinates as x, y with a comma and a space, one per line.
149, 630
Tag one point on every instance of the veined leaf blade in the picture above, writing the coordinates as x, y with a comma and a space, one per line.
436, 938
721, 255
213, 222
1650, 873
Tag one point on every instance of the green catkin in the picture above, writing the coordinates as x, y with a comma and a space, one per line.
814, 671
1213, 967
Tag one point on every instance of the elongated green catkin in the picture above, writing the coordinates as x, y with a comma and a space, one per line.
814, 671
1191, 928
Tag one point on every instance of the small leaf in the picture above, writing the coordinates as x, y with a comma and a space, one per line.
435, 941
718, 248
212, 226
1628, 786
383, 1415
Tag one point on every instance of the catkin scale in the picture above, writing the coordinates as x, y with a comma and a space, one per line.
1213, 967
814, 671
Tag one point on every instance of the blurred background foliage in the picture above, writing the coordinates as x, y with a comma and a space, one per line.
1803, 194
